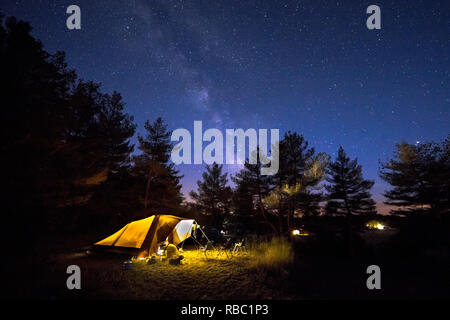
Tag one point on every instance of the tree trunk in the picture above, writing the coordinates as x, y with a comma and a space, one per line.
280, 223
147, 189
349, 229
261, 209
291, 239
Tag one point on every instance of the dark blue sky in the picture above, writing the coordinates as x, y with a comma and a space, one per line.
307, 66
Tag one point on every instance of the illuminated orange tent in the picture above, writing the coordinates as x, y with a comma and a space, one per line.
145, 235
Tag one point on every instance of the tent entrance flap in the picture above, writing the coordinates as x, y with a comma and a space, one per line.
181, 232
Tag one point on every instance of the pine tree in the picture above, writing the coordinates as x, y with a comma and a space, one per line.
348, 192
297, 181
420, 177
63, 135
213, 196
116, 128
115, 198
251, 189
162, 182
156, 145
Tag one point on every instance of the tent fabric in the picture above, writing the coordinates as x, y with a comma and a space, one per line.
111, 240
181, 232
148, 233
130, 236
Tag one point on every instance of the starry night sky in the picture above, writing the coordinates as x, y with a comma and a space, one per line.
308, 66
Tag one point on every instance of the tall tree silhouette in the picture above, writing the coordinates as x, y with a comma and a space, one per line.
116, 127
162, 182
62, 135
297, 181
420, 178
213, 196
251, 189
115, 198
348, 192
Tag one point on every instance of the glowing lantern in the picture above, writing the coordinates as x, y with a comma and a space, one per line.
296, 232
375, 225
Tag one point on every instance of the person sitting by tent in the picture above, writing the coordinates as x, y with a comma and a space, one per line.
173, 254
172, 251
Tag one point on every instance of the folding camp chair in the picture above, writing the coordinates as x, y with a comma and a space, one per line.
205, 248
226, 248
239, 247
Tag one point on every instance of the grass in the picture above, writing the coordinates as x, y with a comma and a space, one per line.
272, 255
244, 276
267, 270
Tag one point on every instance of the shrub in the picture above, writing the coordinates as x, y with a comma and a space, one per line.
275, 254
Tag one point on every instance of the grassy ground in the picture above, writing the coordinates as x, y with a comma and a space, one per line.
313, 269
198, 277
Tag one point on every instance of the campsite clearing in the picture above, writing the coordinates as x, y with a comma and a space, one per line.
103, 277
315, 273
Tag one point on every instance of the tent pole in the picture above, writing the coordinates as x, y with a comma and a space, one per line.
209, 241
198, 243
